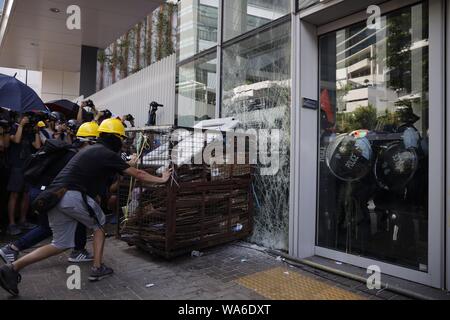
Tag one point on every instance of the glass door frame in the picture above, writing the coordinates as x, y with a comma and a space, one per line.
303, 239
447, 103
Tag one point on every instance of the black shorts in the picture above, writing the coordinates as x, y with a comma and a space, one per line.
16, 181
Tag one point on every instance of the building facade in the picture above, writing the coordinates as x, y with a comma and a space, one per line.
357, 90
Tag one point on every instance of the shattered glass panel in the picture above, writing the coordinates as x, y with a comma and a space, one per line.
257, 91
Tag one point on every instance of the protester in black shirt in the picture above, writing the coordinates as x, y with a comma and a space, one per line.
97, 161
84, 177
25, 141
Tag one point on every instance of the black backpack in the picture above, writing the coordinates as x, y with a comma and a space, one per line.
37, 164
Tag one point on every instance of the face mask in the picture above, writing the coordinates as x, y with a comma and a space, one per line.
111, 142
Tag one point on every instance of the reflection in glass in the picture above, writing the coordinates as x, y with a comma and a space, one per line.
196, 91
373, 188
197, 26
241, 16
303, 4
257, 91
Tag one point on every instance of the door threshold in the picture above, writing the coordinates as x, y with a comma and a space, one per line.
392, 281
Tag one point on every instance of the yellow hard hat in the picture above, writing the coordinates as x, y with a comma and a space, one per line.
88, 130
41, 124
112, 125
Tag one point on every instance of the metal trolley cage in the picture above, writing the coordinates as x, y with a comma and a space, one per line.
206, 202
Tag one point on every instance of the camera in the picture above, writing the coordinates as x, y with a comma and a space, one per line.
129, 118
7, 118
34, 118
72, 125
107, 114
90, 104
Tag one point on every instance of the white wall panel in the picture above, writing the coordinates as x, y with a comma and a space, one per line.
134, 94
58, 84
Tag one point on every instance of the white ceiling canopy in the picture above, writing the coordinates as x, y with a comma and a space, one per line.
34, 33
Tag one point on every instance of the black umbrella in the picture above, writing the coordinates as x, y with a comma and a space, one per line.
17, 96
68, 108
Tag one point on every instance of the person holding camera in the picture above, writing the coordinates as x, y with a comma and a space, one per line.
24, 141
60, 128
86, 116
49, 130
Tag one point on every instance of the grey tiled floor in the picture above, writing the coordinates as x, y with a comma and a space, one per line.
210, 277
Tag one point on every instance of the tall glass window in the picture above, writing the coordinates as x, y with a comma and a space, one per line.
197, 23
373, 187
256, 89
196, 91
241, 16
303, 4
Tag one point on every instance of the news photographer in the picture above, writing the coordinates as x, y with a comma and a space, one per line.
24, 141
86, 112
61, 131
48, 131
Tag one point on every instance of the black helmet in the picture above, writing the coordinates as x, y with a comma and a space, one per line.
57, 116
395, 166
405, 115
349, 156
72, 124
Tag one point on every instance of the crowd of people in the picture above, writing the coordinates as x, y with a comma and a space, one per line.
56, 180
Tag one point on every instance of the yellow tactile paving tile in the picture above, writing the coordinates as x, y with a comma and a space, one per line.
285, 284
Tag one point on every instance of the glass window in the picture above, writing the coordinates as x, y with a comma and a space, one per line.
256, 83
241, 16
373, 187
197, 26
196, 91
303, 4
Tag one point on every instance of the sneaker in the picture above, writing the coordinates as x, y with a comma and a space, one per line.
80, 256
8, 254
101, 273
13, 230
27, 226
9, 279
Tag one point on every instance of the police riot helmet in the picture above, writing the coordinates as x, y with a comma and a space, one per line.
405, 115
72, 124
349, 157
395, 166
57, 116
